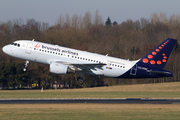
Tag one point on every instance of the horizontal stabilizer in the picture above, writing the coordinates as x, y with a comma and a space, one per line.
160, 72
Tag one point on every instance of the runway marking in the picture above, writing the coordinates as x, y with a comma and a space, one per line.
92, 100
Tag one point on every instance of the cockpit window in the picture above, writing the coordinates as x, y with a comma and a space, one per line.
15, 44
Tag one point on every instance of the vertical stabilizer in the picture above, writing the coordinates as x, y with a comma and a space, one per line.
158, 57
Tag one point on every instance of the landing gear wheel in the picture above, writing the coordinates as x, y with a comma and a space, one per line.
80, 80
26, 65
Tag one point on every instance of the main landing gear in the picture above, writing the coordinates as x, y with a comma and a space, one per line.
26, 65
80, 80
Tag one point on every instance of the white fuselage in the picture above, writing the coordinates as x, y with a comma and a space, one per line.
47, 53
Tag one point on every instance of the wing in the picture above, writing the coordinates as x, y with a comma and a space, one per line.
83, 66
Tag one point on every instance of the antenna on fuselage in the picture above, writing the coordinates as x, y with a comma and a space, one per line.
33, 39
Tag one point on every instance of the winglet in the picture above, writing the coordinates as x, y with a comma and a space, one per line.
158, 57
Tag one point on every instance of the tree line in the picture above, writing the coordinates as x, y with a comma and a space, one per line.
128, 40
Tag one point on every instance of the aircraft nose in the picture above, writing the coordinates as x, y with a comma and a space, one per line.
5, 49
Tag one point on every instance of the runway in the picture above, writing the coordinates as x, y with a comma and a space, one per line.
90, 100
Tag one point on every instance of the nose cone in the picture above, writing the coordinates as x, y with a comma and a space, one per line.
5, 49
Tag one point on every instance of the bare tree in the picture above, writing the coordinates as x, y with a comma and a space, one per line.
97, 19
144, 22
67, 21
80, 22
60, 21
74, 21
163, 18
87, 20
154, 18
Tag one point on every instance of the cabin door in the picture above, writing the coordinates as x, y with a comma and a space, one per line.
29, 48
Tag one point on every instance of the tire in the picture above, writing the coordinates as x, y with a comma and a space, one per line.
80, 80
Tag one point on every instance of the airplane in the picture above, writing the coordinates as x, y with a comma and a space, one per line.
63, 60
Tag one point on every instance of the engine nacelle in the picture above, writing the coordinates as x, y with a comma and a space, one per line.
58, 68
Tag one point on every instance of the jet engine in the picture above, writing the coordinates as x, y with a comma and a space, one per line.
58, 68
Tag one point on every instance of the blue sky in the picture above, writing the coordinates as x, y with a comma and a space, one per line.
118, 10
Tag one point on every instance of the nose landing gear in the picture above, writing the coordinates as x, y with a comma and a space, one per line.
26, 65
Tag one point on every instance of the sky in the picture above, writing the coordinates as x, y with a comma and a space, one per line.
48, 11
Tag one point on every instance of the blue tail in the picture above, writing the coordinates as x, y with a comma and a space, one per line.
158, 57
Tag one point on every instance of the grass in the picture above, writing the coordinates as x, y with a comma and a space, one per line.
158, 90
89, 111
95, 111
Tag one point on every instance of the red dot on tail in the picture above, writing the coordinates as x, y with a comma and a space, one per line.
157, 50
152, 62
164, 60
150, 56
154, 53
165, 57
145, 60
159, 62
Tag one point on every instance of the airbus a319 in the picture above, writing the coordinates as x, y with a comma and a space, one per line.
63, 60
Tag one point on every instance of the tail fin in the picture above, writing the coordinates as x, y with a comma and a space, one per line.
158, 56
